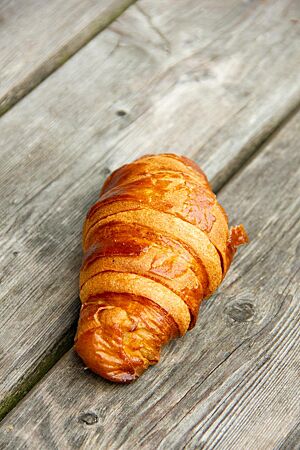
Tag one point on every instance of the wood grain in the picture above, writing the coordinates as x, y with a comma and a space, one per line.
292, 440
205, 94
231, 383
36, 37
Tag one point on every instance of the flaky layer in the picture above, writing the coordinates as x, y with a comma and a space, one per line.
163, 223
138, 249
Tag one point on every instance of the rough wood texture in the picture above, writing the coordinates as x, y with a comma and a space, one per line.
36, 37
231, 383
189, 77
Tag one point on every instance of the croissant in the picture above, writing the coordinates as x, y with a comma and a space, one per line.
155, 244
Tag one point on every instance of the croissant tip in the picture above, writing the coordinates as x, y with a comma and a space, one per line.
125, 378
86, 346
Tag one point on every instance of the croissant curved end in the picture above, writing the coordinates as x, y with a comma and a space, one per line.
119, 344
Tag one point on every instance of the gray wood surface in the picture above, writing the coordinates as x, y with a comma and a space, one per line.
231, 383
190, 77
38, 36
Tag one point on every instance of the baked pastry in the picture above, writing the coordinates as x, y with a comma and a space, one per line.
155, 244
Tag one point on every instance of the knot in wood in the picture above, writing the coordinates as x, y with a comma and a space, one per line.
241, 311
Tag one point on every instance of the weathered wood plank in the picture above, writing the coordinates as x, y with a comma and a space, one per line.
292, 440
231, 383
37, 37
206, 95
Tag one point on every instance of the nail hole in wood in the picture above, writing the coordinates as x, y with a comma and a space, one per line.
88, 418
121, 113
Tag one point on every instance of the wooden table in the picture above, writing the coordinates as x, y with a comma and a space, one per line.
86, 87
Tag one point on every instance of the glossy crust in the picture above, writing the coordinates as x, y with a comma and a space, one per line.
155, 245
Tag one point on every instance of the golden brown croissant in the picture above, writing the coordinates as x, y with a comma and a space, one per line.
155, 245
